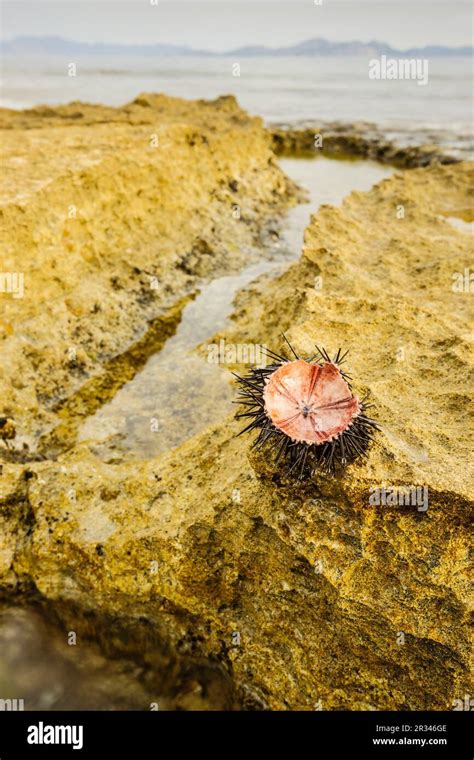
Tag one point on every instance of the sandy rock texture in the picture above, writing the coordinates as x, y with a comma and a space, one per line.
111, 215
305, 596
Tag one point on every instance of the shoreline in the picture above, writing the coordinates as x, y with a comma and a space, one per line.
297, 138
115, 243
347, 141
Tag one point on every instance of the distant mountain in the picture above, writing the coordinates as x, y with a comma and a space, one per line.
60, 46
321, 47
313, 47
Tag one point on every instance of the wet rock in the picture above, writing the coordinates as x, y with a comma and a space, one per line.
100, 207
65, 666
309, 596
345, 141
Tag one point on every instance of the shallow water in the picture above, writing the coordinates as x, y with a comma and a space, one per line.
180, 392
462, 225
45, 666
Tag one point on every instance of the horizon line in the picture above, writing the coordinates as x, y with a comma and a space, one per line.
250, 46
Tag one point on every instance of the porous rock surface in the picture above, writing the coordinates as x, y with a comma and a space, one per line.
110, 215
307, 595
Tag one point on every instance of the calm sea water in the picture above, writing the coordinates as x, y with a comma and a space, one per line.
278, 89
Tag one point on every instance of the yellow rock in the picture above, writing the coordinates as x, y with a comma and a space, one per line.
110, 215
306, 595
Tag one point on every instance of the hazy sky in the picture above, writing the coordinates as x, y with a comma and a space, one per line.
224, 24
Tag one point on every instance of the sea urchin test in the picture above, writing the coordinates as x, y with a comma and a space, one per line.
306, 412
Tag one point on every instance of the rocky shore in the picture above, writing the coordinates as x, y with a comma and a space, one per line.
112, 216
296, 596
361, 140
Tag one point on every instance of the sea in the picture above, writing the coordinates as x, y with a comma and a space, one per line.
285, 90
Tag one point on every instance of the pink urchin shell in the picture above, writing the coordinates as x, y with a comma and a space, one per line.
310, 403
306, 413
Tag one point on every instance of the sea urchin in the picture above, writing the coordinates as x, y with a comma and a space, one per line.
306, 412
